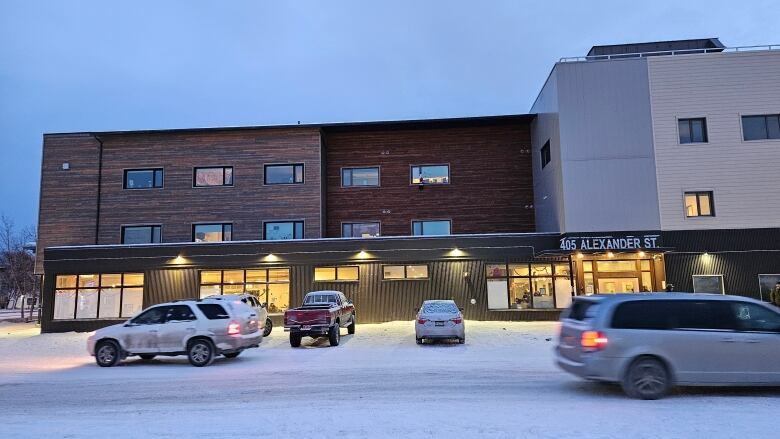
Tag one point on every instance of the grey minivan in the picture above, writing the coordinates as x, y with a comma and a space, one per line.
650, 342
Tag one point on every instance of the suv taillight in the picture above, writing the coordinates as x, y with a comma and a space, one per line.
596, 340
234, 328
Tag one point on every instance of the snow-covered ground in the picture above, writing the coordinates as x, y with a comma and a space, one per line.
377, 383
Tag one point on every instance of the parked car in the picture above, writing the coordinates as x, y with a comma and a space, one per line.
439, 319
262, 313
323, 313
649, 343
200, 329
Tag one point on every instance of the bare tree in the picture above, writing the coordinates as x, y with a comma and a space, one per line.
17, 264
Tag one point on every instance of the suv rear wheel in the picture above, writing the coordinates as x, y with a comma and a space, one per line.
646, 378
107, 353
200, 352
269, 325
334, 334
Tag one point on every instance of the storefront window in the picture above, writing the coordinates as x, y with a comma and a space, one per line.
98, 296
270, 286
528, 286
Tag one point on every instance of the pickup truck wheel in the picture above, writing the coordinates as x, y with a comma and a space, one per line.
295, 339
107, 353
351, 327
200, 353
269, 325
147, 357
334, 335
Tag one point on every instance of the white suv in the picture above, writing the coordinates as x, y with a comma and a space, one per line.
262, 313
200, 329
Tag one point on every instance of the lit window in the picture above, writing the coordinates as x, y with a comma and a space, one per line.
699, 204
761, 127
341, 273
545, 154
430, 174
359, 230
283, 174
269, 286
404, 272
360, 177
276, 230
216, 176
98, 296
435, 227
692, 130
141, 234
143, 178
212, 232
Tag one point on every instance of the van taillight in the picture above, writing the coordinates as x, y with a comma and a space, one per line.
594, 340
234, 328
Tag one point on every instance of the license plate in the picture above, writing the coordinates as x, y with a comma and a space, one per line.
305, 328
439, 323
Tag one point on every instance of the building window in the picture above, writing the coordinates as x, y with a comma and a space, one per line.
351, 177
430, 174
270, 286
767, 283
347, 273
98, 296
212, 232
283, 174
431, 227
761, 127
545, 154
143, 178
276, 230
404, 272
141, 234
216, 176
699, 204
359, 230
712, 284
528, 286
692, 130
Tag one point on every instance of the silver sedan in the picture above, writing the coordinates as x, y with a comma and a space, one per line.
439, 319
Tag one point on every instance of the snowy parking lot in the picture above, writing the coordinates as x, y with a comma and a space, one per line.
377, 383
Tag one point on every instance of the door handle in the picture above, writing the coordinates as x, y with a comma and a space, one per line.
191, 329
751, 340
152, 330
727, 340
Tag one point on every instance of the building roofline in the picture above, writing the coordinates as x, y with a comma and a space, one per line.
401, 123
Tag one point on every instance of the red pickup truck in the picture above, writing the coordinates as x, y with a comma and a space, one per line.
323, 313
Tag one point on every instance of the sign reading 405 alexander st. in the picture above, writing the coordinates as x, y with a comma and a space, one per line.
612, 241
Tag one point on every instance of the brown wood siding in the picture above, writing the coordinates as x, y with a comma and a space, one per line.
247, 204
491, 184
68, 200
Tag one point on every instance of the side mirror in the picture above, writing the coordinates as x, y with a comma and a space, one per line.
460, 309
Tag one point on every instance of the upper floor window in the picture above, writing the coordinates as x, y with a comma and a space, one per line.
283, 230
359, 230
141, 234
761, 127
692, 130
431, 174
699, 204
212, 232
434, 227
143, 178
545, 154
360, 176
216, 176
283, 174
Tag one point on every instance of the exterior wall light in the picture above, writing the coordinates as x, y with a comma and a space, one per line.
641, 254
579, 255
178, 260
456, 252
610, 255
271, 258
362, 254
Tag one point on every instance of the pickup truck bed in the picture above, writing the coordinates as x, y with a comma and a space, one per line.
320, 319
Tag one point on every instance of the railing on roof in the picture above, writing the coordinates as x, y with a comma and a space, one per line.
669, 52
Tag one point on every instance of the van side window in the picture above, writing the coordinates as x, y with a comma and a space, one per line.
752, 317
582, 310
642, 314
674, 314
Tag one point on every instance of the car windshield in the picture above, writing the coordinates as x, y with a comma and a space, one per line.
319, 298
440, 308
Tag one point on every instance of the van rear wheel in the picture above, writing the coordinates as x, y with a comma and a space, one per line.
646, 378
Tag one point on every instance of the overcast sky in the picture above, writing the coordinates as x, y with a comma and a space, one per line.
94, 66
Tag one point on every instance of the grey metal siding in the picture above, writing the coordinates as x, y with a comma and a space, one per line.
170, 284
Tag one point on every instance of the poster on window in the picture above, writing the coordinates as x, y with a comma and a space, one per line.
766, 284
708, 284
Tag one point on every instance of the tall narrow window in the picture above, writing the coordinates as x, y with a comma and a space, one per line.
431, 227
545, 154
692, 130
352, 177
359, 230
430, 174
216, 176
699, 204
141, 234
276, 230
143, 178
283, 174
761, 127
212, 232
